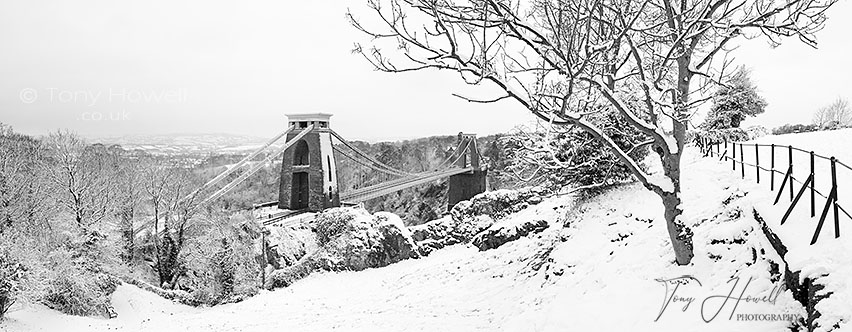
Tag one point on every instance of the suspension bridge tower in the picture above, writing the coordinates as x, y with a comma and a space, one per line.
308, 171
466, 185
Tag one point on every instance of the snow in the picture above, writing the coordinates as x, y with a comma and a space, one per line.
595, 268
387, 218
661, 181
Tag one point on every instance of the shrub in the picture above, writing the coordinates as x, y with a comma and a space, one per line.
74, 289
757, 131
174, 295
573, 156
221, 263
794, 128
333, 222
717, 136
11, 275
735, 102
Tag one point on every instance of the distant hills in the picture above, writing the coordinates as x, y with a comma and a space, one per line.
220, 143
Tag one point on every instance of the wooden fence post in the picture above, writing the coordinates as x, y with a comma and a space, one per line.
742, 160
813, 184
830, 200
757, 161
834, 190
790, 156
772, 169
734, 155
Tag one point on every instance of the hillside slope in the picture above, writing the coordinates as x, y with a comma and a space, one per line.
597, 267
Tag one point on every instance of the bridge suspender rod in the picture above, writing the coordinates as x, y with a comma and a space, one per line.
239, 164
476, 147
466, 146
457, 150
256, 167
366, 156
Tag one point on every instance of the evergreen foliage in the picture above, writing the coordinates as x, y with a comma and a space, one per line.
735, 102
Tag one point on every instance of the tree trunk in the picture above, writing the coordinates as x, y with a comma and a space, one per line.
679, 233
127, 235
5, 303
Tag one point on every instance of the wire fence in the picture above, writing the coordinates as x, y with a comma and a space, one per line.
739, 153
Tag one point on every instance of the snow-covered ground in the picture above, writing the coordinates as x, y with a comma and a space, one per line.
596, 268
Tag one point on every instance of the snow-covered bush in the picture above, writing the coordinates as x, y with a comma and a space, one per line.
221, 263
11, 275
718, 136
569, 156
794, 128
756, 131
333, 222
734, 103
73, 288
174, 295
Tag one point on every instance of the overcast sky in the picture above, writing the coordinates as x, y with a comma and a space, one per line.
111, 68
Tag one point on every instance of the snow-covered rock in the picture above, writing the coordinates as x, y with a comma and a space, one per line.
501, 233
289, 244
469, 218
351, 239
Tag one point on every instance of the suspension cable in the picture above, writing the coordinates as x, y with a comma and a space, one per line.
257, 167
240, 178
239, 164
366, 156
362, 163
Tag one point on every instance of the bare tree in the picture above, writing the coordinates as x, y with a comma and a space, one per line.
129, 198
652, 61
836, 114
23, 194
174, 202
81, 177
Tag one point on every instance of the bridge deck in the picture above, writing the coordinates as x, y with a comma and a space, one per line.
363, 194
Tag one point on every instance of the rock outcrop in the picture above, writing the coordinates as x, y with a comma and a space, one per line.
500, 233
351, 240
470, 218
